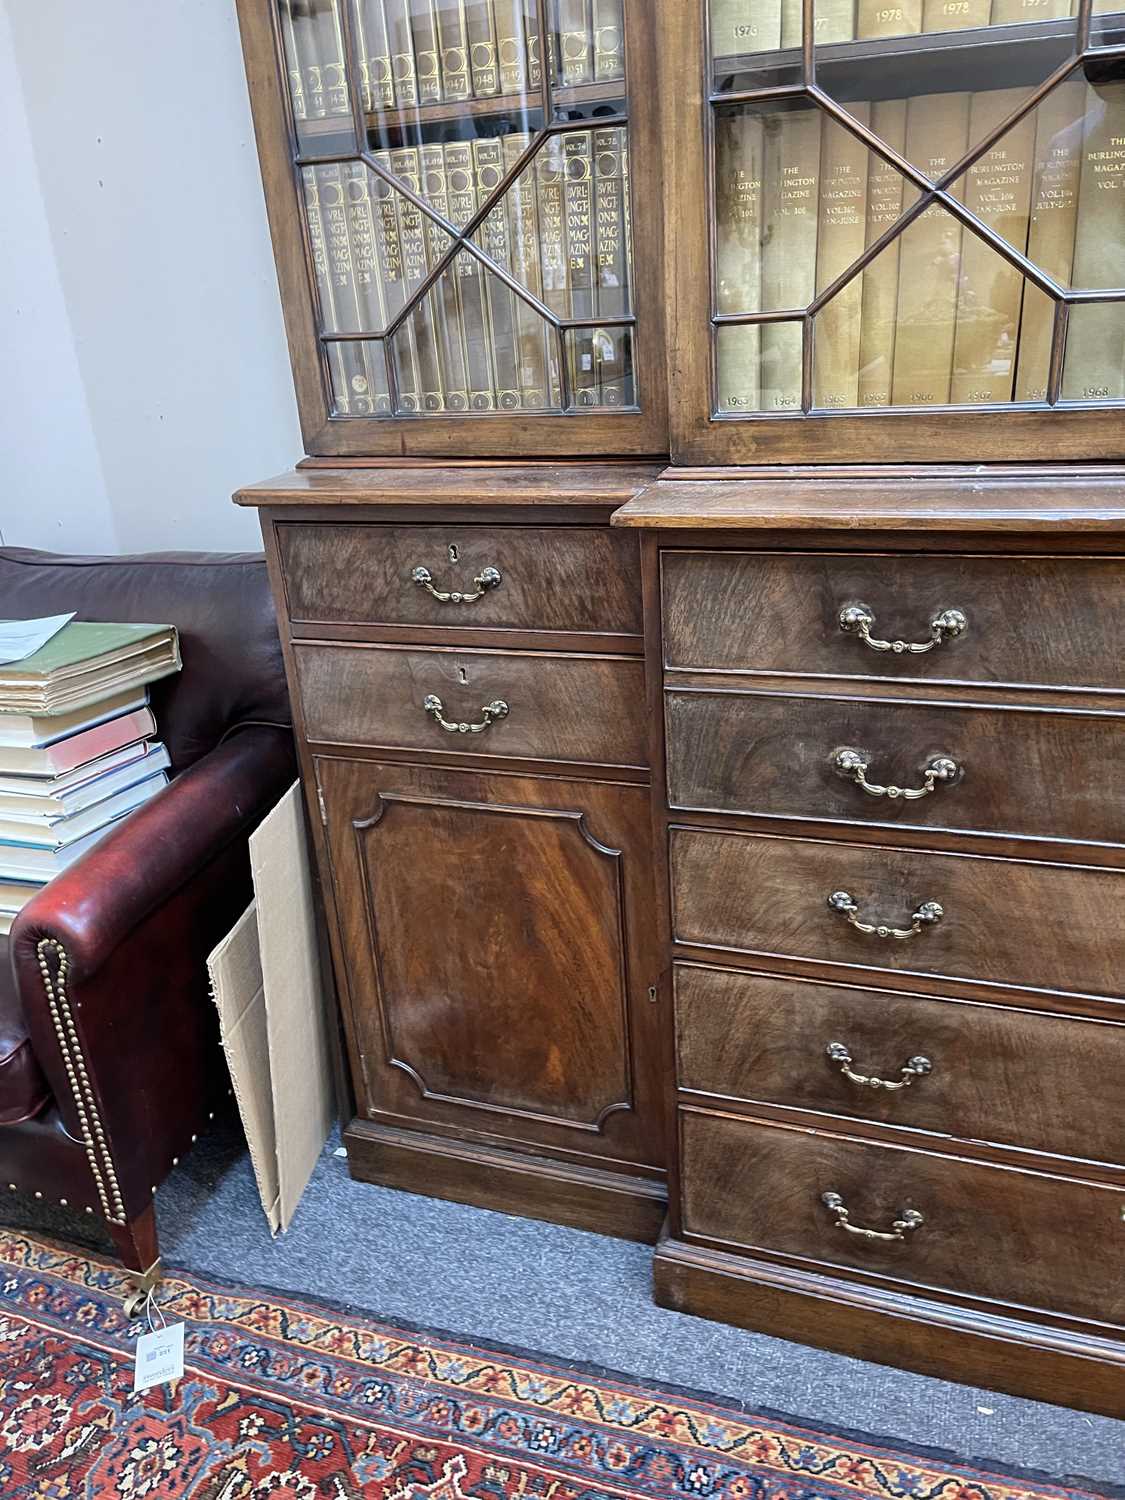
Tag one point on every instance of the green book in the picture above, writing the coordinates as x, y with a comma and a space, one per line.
85, 661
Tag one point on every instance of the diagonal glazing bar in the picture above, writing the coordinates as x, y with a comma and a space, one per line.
1058, 353
990, 137
892, 231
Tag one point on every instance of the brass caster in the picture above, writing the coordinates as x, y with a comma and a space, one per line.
142, 1284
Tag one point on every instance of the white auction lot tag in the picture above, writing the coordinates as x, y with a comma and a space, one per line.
160, 1357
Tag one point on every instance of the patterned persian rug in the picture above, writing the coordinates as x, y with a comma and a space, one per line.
287, 1400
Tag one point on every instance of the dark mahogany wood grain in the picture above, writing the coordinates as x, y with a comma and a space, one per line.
1021, 1238
472, 485
566, 709
497, 933
570, 579
1022, 923
1039, 621
1000, 1074
1031, 774
934, 1335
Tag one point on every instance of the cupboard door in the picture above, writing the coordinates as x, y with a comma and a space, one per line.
497, 939
452, 192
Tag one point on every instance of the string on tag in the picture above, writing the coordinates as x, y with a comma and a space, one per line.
151, 1308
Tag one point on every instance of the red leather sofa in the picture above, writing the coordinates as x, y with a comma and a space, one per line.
109, 1058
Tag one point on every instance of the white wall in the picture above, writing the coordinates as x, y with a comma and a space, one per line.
150, 208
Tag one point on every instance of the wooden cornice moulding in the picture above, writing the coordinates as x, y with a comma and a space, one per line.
982, 498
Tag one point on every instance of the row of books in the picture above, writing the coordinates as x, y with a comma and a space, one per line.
937, 316
739, 27
77, 752
414, 52
562, 230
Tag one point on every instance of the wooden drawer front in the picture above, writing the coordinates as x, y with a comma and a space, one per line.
1036, 774
995, 1232
565, 578
560, 708
997, 1074
1018, 923
1046, 622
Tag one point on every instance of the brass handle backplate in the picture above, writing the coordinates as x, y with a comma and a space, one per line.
859, 619
487, 578
927, 915
497, 709
908, 1221
853, 764
917, 1067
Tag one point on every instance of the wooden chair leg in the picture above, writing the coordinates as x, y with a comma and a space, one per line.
139, 1249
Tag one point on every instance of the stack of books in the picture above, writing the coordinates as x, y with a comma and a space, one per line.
77, 751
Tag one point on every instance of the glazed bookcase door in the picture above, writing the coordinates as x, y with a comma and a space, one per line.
902, 233
455, 191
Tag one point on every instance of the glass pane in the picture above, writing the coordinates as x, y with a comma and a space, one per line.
767, 196
358, 375
1095, 353
758, 367
313, 42
600, 367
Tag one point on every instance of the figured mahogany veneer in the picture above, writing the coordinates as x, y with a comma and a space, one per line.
1001, 1074
1030, 774
559, 708
1032, 621
1019, 1239
567, 579
1012, 923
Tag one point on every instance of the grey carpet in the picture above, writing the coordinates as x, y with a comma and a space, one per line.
570, 1295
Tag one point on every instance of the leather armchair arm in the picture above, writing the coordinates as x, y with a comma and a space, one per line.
110, 962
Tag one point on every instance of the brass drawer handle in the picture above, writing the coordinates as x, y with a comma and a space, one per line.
853, 764
859, 619
908, 1221
497, 709
487, 578
927, 915
917, 1067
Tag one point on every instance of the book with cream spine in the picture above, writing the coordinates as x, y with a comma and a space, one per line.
790, 204
739, 145
840, 241
1095, 346
879, 299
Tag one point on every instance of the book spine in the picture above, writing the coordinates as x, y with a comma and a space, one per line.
737, 28
578, 210
488, 158
389, 247
454, 41
1050, 241
483, 66
536, 48
1005, 12
415, 268
1095, 358
576, 52
326, 291
609, 40
611, 269
461, 180
369, 290
511, 45
425, 45
345, 359
444, 293
791, 23
306, 47
330, 52
790, 199
400, 45
875, 18
879, 298
937, 131
990, 292
549, 165
377, 54
840, 240
293, 69
834, 21
739, 144
957, 15
535, 341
